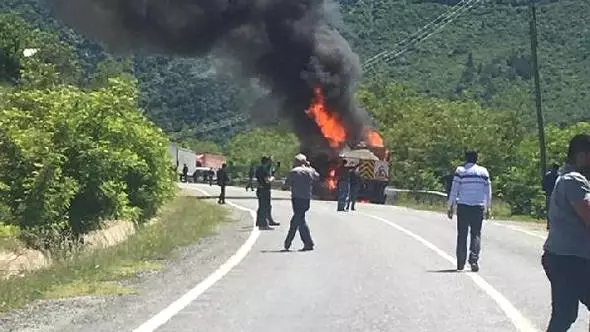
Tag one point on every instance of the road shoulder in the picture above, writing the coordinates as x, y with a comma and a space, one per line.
154, 290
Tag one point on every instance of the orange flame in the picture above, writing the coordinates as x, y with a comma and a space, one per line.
374, 139
328, 123
331, 179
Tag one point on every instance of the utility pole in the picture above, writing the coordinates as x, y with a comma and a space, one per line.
540, 122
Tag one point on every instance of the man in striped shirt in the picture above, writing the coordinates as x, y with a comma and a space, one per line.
471, 192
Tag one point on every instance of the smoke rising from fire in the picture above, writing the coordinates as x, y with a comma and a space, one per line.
291, 46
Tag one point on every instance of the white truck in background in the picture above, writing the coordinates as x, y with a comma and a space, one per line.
180, 156
198, 163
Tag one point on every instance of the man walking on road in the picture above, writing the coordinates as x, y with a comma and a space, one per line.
300, 180
471, 193
222, 181
566, 259
263, 177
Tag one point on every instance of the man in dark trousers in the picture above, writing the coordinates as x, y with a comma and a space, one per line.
566, 257
300, 179
251, 173
343, 185
471, 193
211, 175
263, 177
184, 173
222, 181
355, 184
273, 170
548, 185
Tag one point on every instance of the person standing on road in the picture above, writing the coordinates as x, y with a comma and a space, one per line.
343, 185
566, 257
263, 177
355, 183
211, 175
251, 173
548, 185
222, 181
272, 171
300, 179
471, 193
184, 173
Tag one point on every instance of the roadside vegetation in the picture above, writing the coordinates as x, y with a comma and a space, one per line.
426, 202
74, 151
181, 222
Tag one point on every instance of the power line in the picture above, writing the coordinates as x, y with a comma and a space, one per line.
412, 36
421, 35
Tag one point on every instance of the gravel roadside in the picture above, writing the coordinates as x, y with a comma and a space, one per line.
155, 290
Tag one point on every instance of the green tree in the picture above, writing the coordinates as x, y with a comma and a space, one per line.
247, 148
34, 58
521, 185
428, 136
78, 158
201, 146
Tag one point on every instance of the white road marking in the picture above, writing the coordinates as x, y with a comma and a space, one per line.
520, 322
175, 307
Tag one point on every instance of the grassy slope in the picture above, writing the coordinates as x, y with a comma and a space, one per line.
182, 222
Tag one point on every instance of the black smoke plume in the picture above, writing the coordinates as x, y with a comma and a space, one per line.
290, 46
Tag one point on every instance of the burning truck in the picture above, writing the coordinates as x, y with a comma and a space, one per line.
290, 51
373, 165
326, 154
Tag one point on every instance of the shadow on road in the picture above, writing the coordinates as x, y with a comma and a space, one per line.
282, 251
444, 271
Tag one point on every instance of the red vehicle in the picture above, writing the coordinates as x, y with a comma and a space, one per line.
210, 160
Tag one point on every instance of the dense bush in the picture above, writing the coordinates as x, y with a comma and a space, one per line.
427, 138
81, 157
520, 184
71, 158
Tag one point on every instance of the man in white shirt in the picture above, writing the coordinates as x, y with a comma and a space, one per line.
471, 193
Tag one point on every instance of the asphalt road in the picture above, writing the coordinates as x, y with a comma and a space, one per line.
380, 268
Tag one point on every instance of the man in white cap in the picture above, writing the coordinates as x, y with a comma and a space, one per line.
300, 179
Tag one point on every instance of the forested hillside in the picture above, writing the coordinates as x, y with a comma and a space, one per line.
178, 94
467, 86
482, 54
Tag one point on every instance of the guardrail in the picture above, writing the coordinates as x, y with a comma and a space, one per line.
394, 196
276, 184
